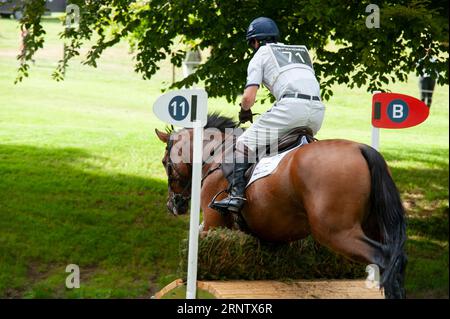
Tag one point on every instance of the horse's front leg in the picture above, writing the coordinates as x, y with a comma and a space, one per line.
211, 218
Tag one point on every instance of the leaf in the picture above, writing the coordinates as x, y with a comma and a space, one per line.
345, 50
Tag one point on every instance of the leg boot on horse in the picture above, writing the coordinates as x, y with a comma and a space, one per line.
236, 199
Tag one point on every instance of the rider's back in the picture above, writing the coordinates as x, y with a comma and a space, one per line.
281, 74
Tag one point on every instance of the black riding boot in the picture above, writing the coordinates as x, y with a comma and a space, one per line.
236, 199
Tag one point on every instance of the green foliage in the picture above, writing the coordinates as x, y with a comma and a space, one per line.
33, 34
346, 51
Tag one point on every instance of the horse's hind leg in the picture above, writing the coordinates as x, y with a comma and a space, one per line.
353, 244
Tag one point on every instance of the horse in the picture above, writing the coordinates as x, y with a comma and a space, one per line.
339, 191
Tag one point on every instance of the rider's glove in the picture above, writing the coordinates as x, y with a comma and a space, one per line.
245, 116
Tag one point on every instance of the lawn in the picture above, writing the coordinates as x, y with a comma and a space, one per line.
81, 180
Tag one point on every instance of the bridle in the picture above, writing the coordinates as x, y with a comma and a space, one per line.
181, 197
177, 197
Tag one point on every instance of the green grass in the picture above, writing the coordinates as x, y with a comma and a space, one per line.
81, 180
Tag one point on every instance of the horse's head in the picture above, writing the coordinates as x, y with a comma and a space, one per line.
177, 158
178, 167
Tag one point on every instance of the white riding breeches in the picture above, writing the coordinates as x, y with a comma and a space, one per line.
284, 115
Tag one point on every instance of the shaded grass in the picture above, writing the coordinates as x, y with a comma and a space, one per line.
427, 270
57, 209
422, 176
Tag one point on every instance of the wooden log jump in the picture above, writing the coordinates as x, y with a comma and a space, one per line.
271, 289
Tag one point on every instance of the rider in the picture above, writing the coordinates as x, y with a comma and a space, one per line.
287, 71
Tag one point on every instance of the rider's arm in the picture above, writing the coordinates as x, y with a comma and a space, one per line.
249, 97
254, 80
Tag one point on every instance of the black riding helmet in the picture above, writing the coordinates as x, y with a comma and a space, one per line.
262, 29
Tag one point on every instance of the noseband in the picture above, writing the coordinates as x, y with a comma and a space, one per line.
177, 197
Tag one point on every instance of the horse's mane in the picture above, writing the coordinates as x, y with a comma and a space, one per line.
215, 120
221, 122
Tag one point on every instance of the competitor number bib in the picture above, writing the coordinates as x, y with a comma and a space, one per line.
289, 56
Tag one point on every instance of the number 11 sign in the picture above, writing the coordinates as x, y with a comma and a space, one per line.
183, 107
188, 108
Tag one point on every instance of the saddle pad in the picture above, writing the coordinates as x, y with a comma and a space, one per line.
267, 165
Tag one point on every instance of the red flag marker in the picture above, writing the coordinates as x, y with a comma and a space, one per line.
395, 111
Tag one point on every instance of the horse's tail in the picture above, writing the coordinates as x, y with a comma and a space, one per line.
386, 205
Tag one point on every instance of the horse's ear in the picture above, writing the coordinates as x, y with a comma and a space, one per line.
164, 137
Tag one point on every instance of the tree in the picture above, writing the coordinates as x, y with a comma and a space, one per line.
359, 55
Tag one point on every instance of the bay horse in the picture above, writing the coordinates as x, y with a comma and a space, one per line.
339, 191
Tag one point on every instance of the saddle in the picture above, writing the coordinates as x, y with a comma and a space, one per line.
290, 140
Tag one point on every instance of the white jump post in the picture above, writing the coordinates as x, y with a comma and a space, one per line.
189, 109
375, 137
195, 210
375, 133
